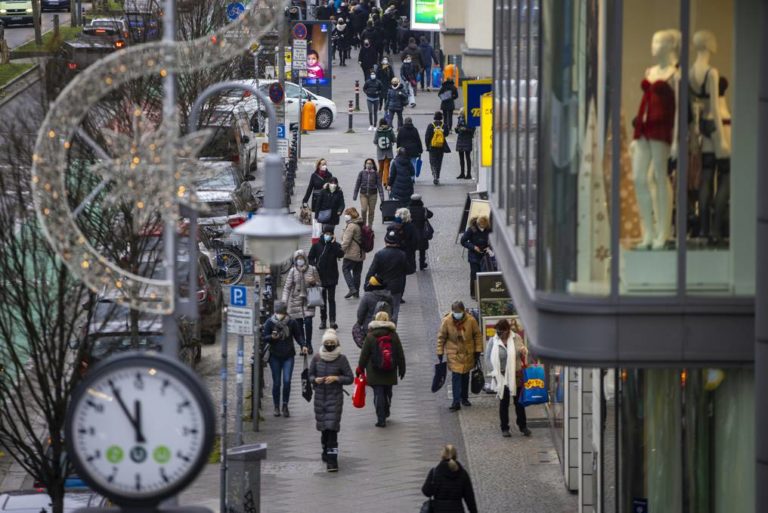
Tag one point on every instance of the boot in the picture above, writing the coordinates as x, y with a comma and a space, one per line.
324, 454
323, 325
350, 294
468, 177
332, 460
286, 413
277, 411
460, 177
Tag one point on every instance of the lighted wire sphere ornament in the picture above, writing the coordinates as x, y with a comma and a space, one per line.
144, 173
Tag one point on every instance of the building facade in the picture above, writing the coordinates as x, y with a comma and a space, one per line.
465, 32
626, 149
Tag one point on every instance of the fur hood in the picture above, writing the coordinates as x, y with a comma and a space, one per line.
382, 324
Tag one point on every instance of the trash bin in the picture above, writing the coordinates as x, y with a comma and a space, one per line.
244, 478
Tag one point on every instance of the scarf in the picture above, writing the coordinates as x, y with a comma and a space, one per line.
329, 356
509, 378
282, 327
302, 282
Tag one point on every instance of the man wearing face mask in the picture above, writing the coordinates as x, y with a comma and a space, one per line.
373, 90
278, 335
477, 241
408, 75
330, 203
367, 58
325, 255
459, 339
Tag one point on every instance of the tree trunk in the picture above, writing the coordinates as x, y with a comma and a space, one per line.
36, 20
73, 13
56, 493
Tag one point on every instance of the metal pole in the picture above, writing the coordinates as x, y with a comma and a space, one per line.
350, 130
239, 391
357, 95
301, 127
224, 408
256, 399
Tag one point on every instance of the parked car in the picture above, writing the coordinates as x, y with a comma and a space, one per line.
38, 501
54, 5
16, 12
112, 28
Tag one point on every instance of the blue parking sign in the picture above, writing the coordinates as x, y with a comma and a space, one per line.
238, 296
281, 131
234, 10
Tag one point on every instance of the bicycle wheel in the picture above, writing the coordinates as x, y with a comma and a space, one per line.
232, 265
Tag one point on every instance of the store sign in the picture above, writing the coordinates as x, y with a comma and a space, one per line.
473, 92
427, 15
491, 286
486, 130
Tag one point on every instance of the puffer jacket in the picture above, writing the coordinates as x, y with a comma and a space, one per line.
329, 399
401, 175
396, 98
460, 352
419, 216
373, 89
408, 138
292, 291
376, 376
415, 54
474, 237
389, 265
465, 135
449, 488
352, 239
330, 200
368, 182
366, 309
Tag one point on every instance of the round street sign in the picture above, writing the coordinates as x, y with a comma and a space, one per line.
234, 10
300, 31
276, 93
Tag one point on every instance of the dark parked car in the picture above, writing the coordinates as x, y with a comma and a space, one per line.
54, 5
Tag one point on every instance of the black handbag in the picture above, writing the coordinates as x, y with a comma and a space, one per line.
429, 231
325, 216
429, 506
488, 264
306, 386
441, 370
477, 379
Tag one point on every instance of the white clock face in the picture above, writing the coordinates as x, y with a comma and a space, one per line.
138, 430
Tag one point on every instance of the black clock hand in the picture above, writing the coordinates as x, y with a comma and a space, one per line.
137, 425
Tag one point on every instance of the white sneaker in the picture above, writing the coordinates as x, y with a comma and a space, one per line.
371, 128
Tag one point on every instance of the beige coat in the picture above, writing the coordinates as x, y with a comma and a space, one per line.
294, 291
459, 345
351, 240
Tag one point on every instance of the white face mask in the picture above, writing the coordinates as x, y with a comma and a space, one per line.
324, 168
347, 218
369, 166
300, 262
332, 187
280, 316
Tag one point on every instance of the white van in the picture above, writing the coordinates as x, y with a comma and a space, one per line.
16, 12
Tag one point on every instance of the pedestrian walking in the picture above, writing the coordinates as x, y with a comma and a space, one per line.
464, 141
385, 74
367, 58
460, 341
448, 94
278, 334
408, 137
376, 298
389, 24
388, 268
340, 39
369, 186
384, 139
317, 180
507, 353
428, 57
300, 277
408, 75
401, 176
330, 203
409, 239
412, 51
325, 255
397, 98
419, 216
448, 484
382, 359
373, 90
351, 244
437, 146
330, 371
477, 241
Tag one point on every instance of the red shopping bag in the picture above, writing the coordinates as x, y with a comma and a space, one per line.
358, 396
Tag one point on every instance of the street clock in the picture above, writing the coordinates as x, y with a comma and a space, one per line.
140, 428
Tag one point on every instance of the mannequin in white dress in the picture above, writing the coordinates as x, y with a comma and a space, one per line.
655, 139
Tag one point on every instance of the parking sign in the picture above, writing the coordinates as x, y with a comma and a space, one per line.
238, 296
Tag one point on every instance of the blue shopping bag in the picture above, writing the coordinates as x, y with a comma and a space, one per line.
534, 388
418, 167
437, 77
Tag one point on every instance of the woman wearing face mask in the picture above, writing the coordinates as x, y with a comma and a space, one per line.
460, 340
351, 244
317, 181
507, 353
329, 371
325, 255
373, 90
301, 276
476, 240
367, 58
330, 202
385, 74
278, 334
369, 187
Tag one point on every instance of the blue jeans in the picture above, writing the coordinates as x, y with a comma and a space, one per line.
282, 370
460, 385
413, 162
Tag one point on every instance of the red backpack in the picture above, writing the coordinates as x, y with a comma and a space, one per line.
367, 237
383, 356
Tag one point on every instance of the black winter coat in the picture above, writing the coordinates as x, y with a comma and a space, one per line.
401, 175
282, 347
449, 488
366, 309
474, 237
408, 138
368, 57
316, 183
465, 135
325, 257
428, 138
389, 265
413, 51
448, 86
385, 74
373, 88
396, 98
419, 216
409, 242
330, 200
329, 399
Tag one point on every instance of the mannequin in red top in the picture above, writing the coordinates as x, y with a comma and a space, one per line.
655, 140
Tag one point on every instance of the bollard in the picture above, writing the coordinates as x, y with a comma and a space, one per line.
56, 26
350, 130
244, 480
357, 95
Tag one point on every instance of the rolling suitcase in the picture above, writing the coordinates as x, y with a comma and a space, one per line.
388, 209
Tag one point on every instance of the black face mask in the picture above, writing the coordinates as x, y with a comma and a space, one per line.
329, 348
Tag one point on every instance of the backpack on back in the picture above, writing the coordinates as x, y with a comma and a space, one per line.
383, 358
438, 136
367, 238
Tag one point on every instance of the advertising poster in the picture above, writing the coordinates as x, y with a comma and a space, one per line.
473, 91
486, 130
427, 15
317, 73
